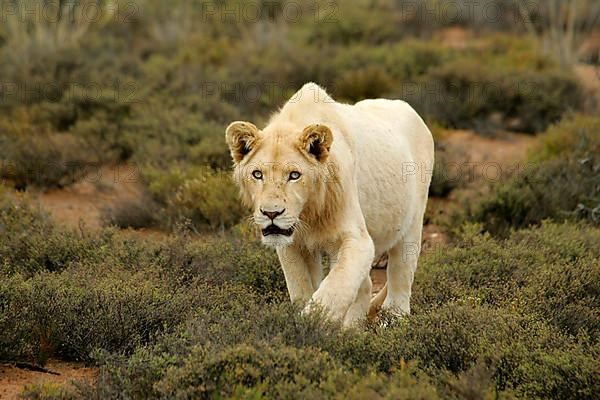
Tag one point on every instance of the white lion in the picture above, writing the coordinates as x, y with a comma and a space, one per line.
349, 181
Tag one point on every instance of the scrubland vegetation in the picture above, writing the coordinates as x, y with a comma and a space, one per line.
189, 318
509, 309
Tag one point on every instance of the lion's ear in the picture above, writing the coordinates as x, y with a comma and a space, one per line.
316, 140
241, 138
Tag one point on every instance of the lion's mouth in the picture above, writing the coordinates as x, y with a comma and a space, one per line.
275, 230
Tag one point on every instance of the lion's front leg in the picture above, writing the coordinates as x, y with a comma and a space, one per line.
360, 308
297, 268
339, 289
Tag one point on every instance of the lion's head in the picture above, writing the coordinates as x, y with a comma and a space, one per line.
284, 173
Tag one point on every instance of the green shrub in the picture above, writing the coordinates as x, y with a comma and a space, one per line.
69, 314
575, 136
205, 197
165, 136
359, 71
50, 144
35, 154
445, 177
212, 199
527, 270
47, 391
31, 242
365, 83
558, 189
280, 370
476, 328
462, 94
131, 213
346, 25
375, 23
263, 371
542, 98
63, 291
212, 150
445, 343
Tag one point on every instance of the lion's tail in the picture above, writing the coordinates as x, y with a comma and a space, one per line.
376, 302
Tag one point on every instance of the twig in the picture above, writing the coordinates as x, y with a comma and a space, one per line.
36, 368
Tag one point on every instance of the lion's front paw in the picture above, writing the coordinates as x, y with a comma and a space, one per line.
334, 305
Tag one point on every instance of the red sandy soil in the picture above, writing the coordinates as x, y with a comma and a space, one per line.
82, 203
80, 206
13, 380
454, 37
589, 76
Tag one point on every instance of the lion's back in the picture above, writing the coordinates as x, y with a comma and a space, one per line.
398, 124
394, 160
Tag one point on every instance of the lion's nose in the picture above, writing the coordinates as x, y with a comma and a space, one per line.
272, 214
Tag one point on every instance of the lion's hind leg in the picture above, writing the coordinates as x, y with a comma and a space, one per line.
401, 269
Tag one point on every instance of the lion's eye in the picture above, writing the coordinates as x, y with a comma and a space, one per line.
257, 174
295, 175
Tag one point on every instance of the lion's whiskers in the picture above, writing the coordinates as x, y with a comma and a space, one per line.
301, 227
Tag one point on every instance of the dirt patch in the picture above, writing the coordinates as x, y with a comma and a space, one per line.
503, 148
82, 203
589, 76
480, 161
13, 379
454, 37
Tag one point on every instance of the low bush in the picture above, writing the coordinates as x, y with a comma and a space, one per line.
363, 83
444, 178
207, 198
69, 314
462, 94
33, 154
575, 136
560, 189
514, 273
67, 293
478, 318
520, 356
359, 71
31, 242
133, 213
372, 23
211, 199
48, 391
